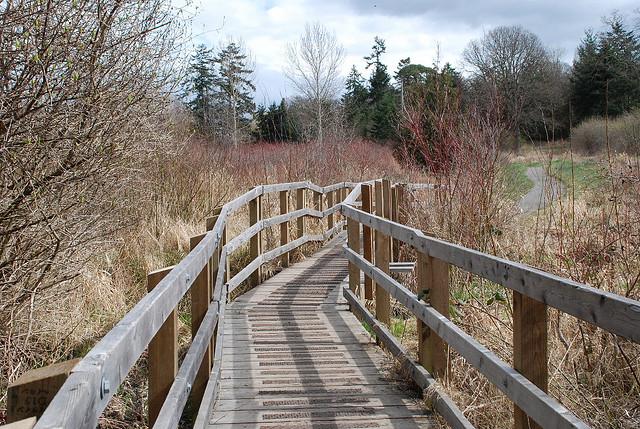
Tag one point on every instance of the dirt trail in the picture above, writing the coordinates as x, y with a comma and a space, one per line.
545, 189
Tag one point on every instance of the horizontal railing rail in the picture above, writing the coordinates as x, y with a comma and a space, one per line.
614, 313
95, 379
525, 383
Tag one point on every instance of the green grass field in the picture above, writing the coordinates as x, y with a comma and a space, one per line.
516, 181
585, 175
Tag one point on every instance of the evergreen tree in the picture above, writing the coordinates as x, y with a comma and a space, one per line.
235, 88
620, 53
354, 101
606, 73
381, 99
275, 123
199, 87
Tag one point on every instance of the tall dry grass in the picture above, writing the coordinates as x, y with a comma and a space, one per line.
172, 190
591, 236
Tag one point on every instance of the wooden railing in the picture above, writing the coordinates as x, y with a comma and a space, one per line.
526, 383
152, 323
205, 273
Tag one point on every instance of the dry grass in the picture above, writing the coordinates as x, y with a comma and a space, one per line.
592, 236
179, 186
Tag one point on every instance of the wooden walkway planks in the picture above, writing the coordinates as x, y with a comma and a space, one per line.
295, 357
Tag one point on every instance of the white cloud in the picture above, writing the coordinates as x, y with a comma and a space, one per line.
414, 28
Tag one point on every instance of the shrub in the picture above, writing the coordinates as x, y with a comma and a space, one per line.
624, 134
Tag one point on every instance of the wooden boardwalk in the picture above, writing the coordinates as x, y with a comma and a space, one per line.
295, 357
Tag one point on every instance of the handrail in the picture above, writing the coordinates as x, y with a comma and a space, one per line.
92, 383
440, 400
614, 313
541, 407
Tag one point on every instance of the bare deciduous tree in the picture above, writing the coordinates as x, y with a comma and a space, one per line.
83, 86
313, 68
511, 60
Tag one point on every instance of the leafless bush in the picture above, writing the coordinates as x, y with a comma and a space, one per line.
83, 84
624, 134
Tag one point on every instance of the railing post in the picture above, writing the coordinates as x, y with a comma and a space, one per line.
386, 206
200, 301
353, 240
367, 239
300, 203
344, 192
529, 348
383, 304
394, 217
401, 196
255, 244
163, 354
210, 223
31, 393
433, 286
284, 227
329, 205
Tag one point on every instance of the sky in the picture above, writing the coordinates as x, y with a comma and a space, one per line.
422, 30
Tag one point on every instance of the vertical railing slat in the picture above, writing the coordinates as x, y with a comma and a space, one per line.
383, 305
367, 238
255, 243
200, 300
284, 227
529, 348
433, 287
353, 240
300, 203
162, 354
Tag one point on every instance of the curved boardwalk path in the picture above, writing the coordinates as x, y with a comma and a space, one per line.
295, 357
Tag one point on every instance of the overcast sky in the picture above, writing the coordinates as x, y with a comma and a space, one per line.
410, 28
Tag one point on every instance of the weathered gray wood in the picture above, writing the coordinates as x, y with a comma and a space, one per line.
255, 242
614, 313
162, 355
173, 406
250, 232
219, 289
326, 387
330, 216
278, 251
367, 237
421, 186
334, 187
284, 226
353, 229
279, 187
300, 205
241, 201
538, 405
31, 393
82, 398
402, 267
441, 402
211, 392
200, 303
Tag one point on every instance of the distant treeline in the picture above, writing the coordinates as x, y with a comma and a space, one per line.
514, 78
